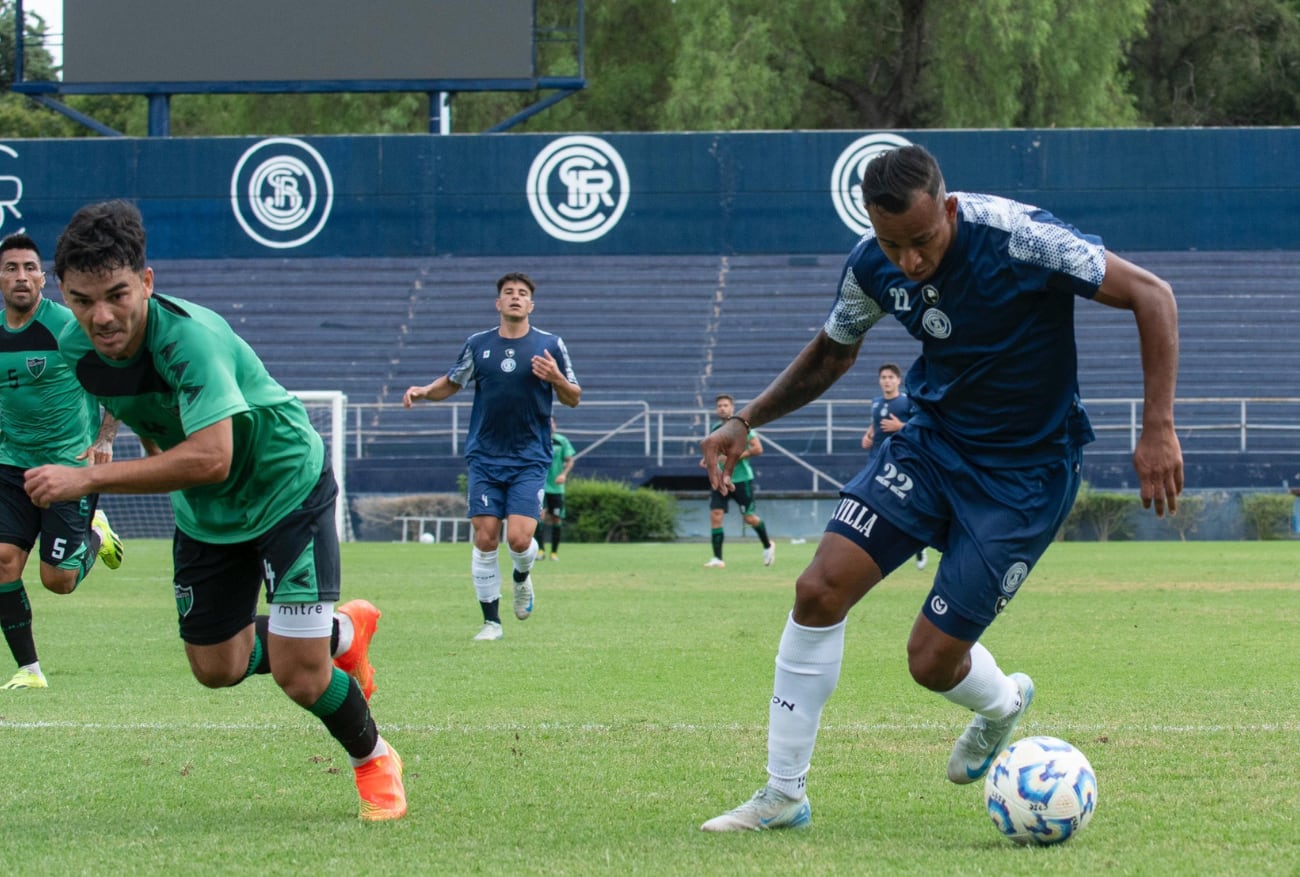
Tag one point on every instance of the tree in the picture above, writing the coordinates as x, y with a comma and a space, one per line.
825, 64
1235, 62
655, 65
20, 116
629, 49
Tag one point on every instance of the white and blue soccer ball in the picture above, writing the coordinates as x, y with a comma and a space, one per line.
1041, 790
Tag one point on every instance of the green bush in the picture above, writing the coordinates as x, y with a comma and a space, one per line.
1191, 509
1266, 515
1101, 515
601, 510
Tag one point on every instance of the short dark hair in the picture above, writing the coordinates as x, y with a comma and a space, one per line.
517, 277
100, 238
892, 179
718, 398
890, 367
19, 241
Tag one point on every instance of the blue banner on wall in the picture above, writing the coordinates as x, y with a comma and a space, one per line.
664, 194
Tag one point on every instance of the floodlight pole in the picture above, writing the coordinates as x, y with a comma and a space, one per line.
439, 112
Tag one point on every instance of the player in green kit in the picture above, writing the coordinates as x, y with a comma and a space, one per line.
563, 456
742, 480
250, 485
45, 417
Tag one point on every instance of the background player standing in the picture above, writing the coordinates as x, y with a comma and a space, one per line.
741, 483
889, 411
563, 456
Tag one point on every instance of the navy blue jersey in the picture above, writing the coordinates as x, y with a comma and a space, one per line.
997, 374
510, 422
900, 406
881, 408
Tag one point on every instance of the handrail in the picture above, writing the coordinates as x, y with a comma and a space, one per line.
662, 435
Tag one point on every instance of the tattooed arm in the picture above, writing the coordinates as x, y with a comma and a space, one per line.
819, 365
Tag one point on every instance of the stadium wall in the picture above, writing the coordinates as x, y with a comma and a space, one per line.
404, 232
653, 194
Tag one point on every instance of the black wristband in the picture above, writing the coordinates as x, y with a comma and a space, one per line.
743, 421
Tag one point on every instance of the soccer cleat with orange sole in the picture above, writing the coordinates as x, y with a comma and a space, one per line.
379, 783
356, 660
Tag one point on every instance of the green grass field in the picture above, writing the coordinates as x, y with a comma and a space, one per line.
598, 735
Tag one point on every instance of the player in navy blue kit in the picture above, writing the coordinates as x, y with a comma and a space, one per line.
987, 469
517, 371
889, 411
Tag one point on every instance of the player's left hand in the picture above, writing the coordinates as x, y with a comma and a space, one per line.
1158, 461
51, 484
725, 444
545, 367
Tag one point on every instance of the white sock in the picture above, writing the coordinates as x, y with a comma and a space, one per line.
523, 560
381, 748
346, 632
35, 667
807, 670
487, 575
986, 689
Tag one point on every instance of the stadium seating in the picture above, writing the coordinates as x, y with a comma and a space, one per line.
675, 331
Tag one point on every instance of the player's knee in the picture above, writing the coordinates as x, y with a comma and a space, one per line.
215, 669
59, 581
929, 668
928, 675
818, 602
302, 685
212, 677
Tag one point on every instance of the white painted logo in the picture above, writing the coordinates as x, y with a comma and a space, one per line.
578, 188
846, 177
11, 192
936, 323
938, 605
281, 192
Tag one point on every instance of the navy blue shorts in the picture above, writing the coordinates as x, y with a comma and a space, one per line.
501, 491
992, 525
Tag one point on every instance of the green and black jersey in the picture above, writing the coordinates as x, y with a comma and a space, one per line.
45, 415
193, 371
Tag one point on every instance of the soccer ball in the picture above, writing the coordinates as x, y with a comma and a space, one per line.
426, 537
1041, 790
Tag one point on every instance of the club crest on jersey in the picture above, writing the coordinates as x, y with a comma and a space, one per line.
508, 365
936, 323
36, 366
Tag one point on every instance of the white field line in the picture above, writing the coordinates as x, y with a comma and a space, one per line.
594, 728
